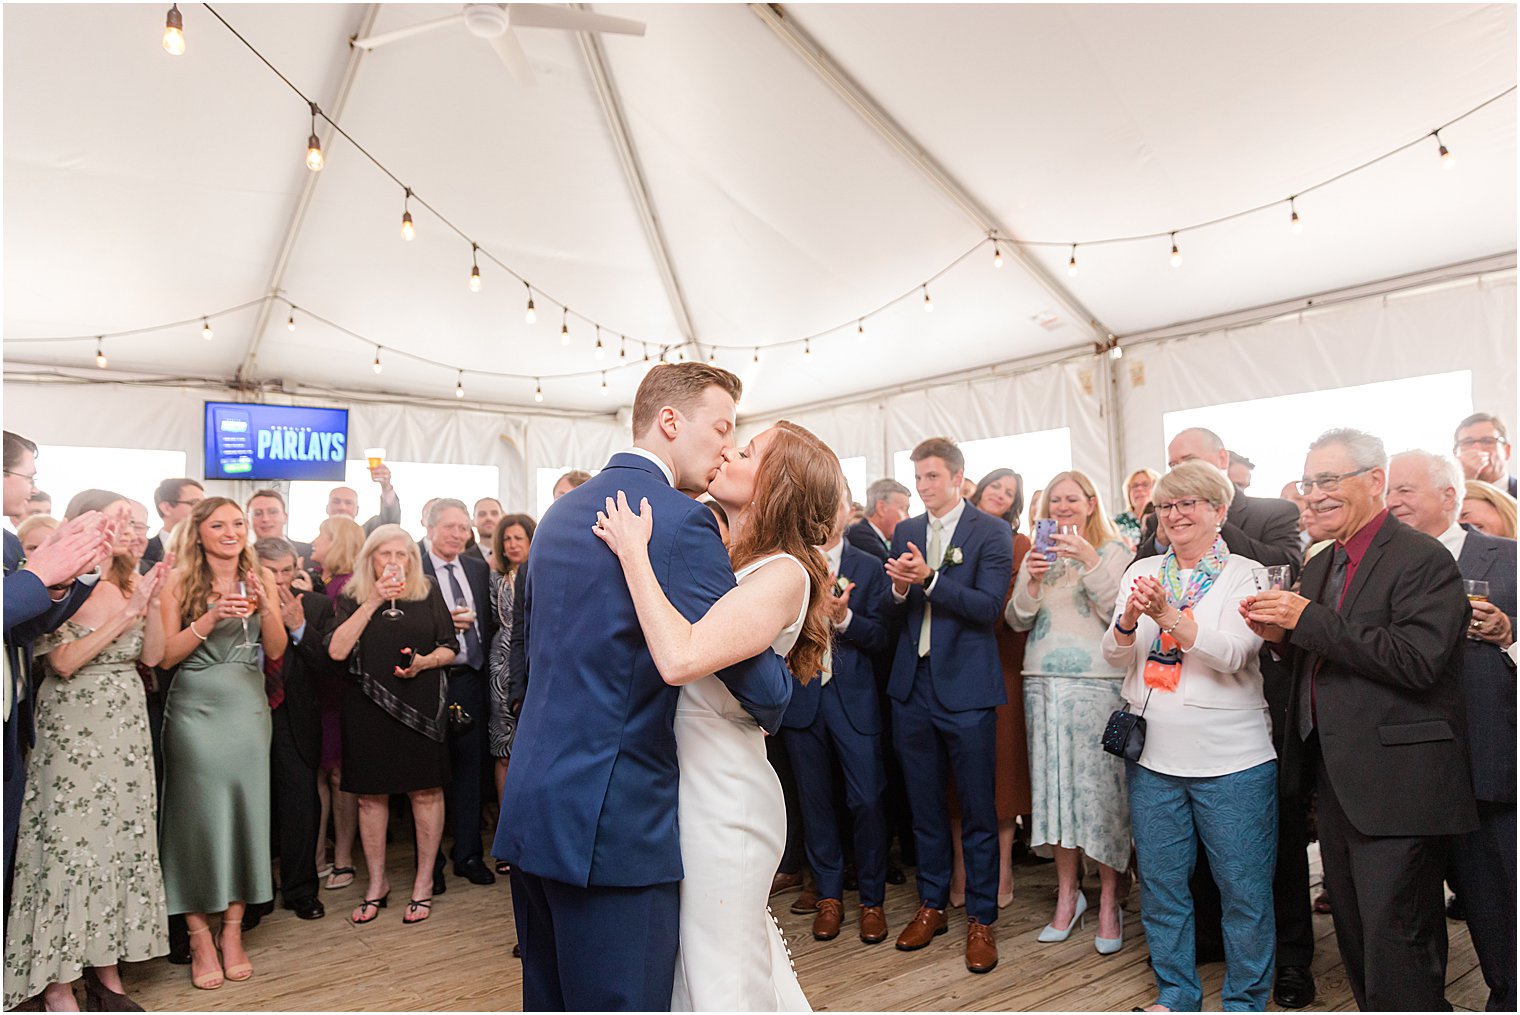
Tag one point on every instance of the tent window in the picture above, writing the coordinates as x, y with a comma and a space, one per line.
855, 475
415, 483
1036, 456
63, 471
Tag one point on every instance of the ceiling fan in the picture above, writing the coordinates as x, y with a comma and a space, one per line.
497, 24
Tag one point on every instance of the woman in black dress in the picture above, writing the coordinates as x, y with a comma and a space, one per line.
395, 632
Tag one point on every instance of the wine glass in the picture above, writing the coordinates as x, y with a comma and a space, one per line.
1271, 579
241, 588
392, 572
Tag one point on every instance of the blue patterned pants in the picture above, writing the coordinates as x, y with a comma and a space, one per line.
1236, 817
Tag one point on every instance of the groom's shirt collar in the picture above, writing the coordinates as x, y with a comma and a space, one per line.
670, 477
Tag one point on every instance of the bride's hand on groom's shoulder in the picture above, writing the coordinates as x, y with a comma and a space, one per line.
622, 528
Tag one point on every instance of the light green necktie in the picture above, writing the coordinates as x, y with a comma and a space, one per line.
936, 554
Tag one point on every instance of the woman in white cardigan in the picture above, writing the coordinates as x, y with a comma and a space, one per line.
1208, 770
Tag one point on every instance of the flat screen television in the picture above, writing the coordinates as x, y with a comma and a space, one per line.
260, 442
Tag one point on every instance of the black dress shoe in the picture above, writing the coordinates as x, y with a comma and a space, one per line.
439, 885
179, 941
307, 909
256, 912
895, 875
1295, 987
476, 872
1454, 910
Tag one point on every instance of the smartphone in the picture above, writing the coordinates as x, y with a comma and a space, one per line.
404, 658
1043, 530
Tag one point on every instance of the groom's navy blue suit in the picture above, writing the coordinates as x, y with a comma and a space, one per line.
588, 817
944, 703
843, 720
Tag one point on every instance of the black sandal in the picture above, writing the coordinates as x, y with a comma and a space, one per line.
375, 904
503, 868
412, 906
339, 872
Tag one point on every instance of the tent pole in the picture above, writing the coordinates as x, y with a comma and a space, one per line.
870, 111
308, 189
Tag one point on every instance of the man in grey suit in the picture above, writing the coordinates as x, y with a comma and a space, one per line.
1425, 491
1266, 530
886, 505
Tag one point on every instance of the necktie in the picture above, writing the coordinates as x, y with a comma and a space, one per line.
471, 639
274, 680
1331, 596
936, 553
828, 666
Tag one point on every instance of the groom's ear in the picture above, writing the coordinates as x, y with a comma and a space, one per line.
668, 422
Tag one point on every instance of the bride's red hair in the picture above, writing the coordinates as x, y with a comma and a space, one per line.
797, 492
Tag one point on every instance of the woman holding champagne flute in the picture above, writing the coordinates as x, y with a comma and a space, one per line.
396, 634
220, 608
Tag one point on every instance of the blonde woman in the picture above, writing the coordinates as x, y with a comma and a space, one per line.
34, 531
333, 552
1137, 494
397, 636
1079, 801
1488, 509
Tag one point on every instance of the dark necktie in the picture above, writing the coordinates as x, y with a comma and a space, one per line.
471, 639
1330, 596
274, 679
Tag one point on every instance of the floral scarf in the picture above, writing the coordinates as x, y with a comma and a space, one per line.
1163, 667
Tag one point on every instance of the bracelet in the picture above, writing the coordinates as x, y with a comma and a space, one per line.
1169, 630
1119, 626
193, 631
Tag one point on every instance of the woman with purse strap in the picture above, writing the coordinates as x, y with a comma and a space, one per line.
1206, 768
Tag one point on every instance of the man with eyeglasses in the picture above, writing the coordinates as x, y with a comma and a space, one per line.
174, 499
1376, 646
1266, 530
1481, 444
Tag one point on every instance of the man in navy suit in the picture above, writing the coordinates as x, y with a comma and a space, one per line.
946, 684
588, 817
837, 716
886, 505
1425, 492
465, 581
40, 594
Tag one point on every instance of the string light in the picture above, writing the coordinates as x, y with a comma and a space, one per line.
1071, 266
174, 32
712, 356
407, 232
1115, 351
604, 384
997, 255
1176, 254
314, 159
1295, 224
807, 349
538, 390
290, 324
459, 386
860, 329
928, 303
1448, 160
564, 326
100, 352
474, 268
623, 347
206, 329
757, 355
601, 353
375, 366
531, 315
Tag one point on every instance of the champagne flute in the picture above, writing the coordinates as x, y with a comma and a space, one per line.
393, 573
241, 588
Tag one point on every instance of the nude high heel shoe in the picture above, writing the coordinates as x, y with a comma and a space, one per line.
1052, 936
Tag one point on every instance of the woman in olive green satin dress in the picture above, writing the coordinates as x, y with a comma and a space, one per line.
215, 815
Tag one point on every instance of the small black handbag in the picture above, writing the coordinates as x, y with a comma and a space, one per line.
1124, 736
460, 721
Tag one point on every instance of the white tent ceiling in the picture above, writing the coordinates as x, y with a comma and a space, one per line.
142, 188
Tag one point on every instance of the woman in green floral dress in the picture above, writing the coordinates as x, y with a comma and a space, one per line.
88, 891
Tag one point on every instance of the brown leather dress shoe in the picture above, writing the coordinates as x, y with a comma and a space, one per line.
873, 925
830, 916
926, 925
807, 902
782, 882
981, 947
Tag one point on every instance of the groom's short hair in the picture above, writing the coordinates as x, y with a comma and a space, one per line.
680, 386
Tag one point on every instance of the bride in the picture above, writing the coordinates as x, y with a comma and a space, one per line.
781, 493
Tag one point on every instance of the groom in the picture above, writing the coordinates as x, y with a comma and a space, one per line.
588, 818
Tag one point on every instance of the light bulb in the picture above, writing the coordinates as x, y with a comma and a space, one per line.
604, 385
538, 391
206, 332
1448, 160
100, 354
474, 278
314, 159
928, 303
997, 256
408, 233
1176, 254
459, 387
1296, 224
290, 324
807, 349
1071, 266
375, 366
757, 354
1115, 352
564, 329
712, 357
174, 33
531, 314
622, 347
860, 329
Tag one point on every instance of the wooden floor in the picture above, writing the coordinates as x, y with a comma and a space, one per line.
461, 960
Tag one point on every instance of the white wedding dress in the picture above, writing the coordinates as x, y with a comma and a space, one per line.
732, 956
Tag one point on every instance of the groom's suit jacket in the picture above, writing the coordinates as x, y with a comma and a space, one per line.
590, 795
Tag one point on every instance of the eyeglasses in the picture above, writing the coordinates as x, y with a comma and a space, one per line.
1486, 443
1327, 484
187, 503
1184, 506
30, 477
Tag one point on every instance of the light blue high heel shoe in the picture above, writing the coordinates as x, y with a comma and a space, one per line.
1110, 945
1052, 936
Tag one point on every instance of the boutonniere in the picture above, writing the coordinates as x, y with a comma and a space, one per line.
953, 556
840, 584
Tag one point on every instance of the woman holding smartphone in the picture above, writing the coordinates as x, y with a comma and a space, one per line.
395, 632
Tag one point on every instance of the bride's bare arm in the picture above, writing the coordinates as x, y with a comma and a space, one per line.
740, 625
